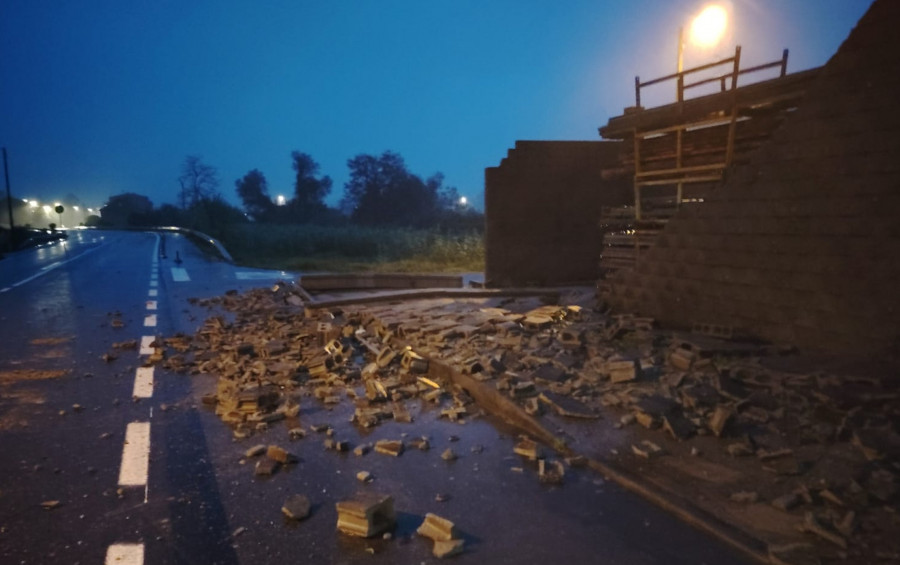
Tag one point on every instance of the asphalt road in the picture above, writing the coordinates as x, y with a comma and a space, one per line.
176, 490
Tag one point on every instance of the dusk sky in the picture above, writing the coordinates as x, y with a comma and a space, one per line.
104, 97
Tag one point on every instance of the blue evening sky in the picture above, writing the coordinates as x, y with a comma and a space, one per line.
99, 97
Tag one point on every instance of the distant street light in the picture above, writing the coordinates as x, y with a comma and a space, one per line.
280, 200
463, 200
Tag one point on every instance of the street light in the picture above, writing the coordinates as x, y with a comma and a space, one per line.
706, 29
709, 26
463, 200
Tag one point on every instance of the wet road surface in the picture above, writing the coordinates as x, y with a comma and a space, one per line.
190, 497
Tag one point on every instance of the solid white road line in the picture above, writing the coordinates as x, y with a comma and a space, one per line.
151, 305
135, 455
153, 292
150, 321
143, 382
125, 554
180, 275
146, 348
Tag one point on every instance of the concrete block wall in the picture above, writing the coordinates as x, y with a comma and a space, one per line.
542, 206
801, 245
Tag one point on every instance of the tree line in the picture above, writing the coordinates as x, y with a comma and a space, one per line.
381, 192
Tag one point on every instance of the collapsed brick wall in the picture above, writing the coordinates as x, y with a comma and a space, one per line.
800, 245
542, 206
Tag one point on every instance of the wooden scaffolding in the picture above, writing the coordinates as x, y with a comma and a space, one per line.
681, 151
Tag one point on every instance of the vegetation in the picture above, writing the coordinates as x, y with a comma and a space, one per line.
198, 181
354, 248
382, 192
389, 219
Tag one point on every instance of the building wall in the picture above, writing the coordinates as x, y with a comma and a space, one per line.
802, 244
542, 206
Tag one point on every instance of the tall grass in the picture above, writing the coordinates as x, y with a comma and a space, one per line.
353, 248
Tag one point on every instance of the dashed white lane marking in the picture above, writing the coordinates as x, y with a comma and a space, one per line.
143, 382
146, 348
135, 455
125, 554
150, 321
180, 274
136, 451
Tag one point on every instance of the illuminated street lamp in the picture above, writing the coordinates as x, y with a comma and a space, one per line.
280, 200
706, 29
463, 201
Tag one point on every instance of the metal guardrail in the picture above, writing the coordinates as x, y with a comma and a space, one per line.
215, 243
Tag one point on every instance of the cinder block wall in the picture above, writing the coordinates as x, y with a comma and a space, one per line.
542, 206
802, 244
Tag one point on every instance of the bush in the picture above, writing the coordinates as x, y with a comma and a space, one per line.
311, 247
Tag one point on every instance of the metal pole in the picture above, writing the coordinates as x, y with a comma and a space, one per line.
8, 199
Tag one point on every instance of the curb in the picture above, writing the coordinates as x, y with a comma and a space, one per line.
416, 294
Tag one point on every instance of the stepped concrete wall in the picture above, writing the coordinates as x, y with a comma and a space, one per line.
542, 207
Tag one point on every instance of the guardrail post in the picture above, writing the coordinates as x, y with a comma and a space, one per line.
784, 58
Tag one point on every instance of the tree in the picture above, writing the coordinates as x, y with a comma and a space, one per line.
381, 191
253, 191
198, 180
309, 191
168, 215
126, 209
213, 216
